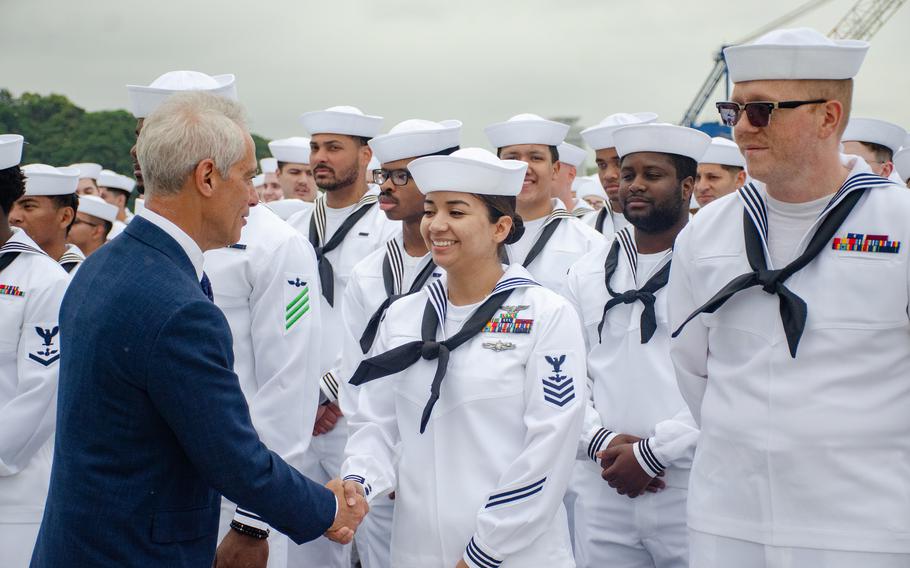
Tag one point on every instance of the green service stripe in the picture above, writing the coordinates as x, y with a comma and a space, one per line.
305, 303
299, 315
304, 292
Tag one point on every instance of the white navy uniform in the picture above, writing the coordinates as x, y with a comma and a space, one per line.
268, 288
31, 289
322, 462
363, 295
485, 481
570, 241
812, 452
71, 259
633, 391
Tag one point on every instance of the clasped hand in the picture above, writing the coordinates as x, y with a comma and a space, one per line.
622, 471
352, 508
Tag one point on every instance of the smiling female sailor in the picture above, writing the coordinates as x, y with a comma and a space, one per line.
478, 391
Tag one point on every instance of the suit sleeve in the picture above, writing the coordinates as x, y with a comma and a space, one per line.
284, 310
27, 420
531, 489
594, 437
192, 384
689, 350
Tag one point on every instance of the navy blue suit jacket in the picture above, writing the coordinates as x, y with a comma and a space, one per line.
152, 426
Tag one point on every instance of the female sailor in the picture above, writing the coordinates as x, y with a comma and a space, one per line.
473, 396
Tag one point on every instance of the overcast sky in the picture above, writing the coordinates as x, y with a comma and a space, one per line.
479, 61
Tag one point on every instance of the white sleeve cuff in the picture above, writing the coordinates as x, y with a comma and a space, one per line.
646, 458
250, 519
478, 556
600, 440
328, 384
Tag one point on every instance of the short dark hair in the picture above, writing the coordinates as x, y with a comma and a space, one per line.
107, 227
685, 166
12, 187
363, 140
504, 206
732, 170
554, 153
68, 200
882, 153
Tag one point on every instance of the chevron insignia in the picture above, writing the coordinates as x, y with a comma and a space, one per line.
46, 355
558, 388
296, 300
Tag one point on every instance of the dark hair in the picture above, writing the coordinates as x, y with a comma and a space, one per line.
503, 206
107, 227
732, 170
882, 153
554, 153
69, 200
363, 140
685, 166
12, 186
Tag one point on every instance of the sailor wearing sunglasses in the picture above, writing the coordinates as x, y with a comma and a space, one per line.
789, 300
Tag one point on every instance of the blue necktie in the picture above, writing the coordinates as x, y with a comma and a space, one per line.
207, 287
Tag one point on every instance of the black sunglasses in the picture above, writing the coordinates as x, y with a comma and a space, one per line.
758, 113
398, 177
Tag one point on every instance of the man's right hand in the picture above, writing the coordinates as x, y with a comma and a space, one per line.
352, 508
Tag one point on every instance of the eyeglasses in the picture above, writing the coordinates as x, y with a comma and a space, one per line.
398, 177
758, 113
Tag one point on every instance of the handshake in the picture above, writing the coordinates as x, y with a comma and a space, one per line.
352, 508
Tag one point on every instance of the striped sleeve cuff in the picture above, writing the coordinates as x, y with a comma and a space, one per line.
646, 458
600, 440
250, 518
367, 489
477, 556
328, 384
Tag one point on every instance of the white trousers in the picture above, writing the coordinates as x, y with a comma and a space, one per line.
713, 551
322, 463
17, 541
278, 543
374, 536
614, 531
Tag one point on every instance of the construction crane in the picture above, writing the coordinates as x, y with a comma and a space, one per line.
862, 21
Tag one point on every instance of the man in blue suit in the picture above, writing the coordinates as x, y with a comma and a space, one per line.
152, 427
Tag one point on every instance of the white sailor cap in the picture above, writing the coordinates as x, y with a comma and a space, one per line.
601, 136
724, 152
144, 100
41, 179
799, 53
902, 163
87, 170
293, 150
585, 186
875, 131
346, 120
526, 129
469, 170
97, 207
663, 138
113, 180
414, 138
270, 165
571, 154
10, 150
259, 180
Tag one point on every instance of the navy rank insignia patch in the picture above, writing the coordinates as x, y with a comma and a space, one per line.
10, 290
296, 300
509, 322
46, 354
858, 242
558, 387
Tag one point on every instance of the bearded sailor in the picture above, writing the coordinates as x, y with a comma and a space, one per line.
600, 137
32, 285
344, 226
479, 468
639, 437
789, 305
553, 239
404, 266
